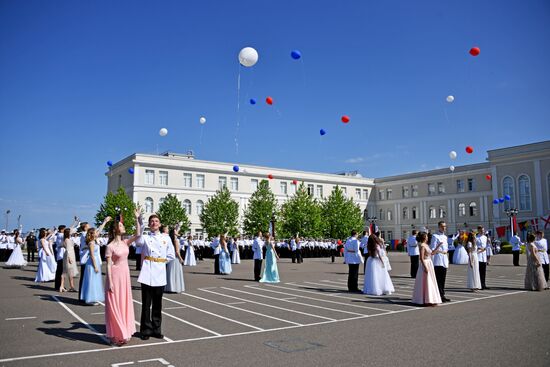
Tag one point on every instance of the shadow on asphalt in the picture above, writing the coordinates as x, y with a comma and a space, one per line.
74, 333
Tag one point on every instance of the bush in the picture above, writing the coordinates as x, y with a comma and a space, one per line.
506, 248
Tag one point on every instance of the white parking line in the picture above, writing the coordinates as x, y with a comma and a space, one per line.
365, 295
20, 318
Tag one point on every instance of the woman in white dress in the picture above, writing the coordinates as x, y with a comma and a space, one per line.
460, 256
377, 279
16, 259
473, 280
46, 259
190, 259
235, 256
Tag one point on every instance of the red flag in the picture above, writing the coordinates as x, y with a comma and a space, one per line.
501, 231
514, 225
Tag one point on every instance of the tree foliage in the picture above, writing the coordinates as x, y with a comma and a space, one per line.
301, 215
340, 215
261, 207
114, 204
220, 214
171, 212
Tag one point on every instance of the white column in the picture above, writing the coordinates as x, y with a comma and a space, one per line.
538, 188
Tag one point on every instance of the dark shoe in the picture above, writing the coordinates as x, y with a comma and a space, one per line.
158, 336
485, 288
144, 337
445, 299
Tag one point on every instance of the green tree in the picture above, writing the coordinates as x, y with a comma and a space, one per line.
114, 204
301, 215
220, 214
261, 207
340, 215
171, 212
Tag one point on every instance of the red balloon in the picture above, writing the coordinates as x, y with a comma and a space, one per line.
339, 242
345, 119
295, 182
474, 51
488, 177
469, 149
270, 176
269, 100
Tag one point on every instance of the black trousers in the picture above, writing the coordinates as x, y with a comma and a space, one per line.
353, 277
299, 257
332, 254
414, 265
515, 255
257, 269
151, 310
451, 254
482, 273
217, 264
3, 255
30, 253
138, 262
82, 268
545, 269
440, 276
293, 255
58, 274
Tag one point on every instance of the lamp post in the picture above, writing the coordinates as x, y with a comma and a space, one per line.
7, 219
511, 213
272, 222
372, 221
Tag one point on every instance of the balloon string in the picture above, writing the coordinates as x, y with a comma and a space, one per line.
238, 111
200, 139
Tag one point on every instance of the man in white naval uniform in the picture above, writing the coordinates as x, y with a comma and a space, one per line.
353, 257
257, 248
439, 248
157, 250
481, 243
414, 253
542, 247
217, 248
293, 248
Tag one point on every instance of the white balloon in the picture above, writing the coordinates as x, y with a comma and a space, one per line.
202, 120
163, 132
450, 99
248, 57
452, 154
452, 168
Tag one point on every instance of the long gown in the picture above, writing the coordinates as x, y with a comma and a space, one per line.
16, 259
92, 284
460, 256
385, 258
190, 259
174, 276
534, 275
270, 271
425, 290
46, 264
70, 269
225, 262
235, 257
377, 278
119, 307
473, 280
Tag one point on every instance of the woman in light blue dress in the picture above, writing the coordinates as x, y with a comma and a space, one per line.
270, 271
92, 284
225, 258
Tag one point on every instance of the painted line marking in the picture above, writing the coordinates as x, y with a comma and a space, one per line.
20, 318
236, 303
174, 308
97, 313
366, 295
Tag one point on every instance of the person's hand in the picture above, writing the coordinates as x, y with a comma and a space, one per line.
180, 260
137, 211
96, 269
70, 261
111, 289
107, 219
426, 270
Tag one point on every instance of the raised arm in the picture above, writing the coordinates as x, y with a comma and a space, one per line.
100, 229
75, 224
139, 227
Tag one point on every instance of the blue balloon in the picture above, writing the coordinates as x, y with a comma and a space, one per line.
501, 200
236, 168
507, 197
131, 171
110, 163
295, 54
252, 100
322, 132
495, 201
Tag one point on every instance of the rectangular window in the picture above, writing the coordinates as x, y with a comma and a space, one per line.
390, 236
365, 194
188, 180
381, 194
254, 184
234, 184
222, 182
431, 189
460, 186
200, 181
310, 189
383, 234
357, 194
345, 191
389, 194
163, 178
440, 188
284, 188
414, 190
413, 213
405, 192
471, 184
149, 177
319, 191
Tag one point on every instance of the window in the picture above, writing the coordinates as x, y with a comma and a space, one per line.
310, 189
440, 188
222, 182
284, 188
405, 213
389, 215
461, 210
161, 200
365, 194
442, 213
345, 191
254, 184
431, 189
460, 186
149, 177
200, 181
508, 189
405, 234
473, 209
200, 207
433, 214
319, 191
149, 205
381, 194
390, 236
471, 186
187, 206
405, 191
413, 212
414, 191
163, 178
389, 194
357, 194
188, 180
524, 188
383, 234
293, 188
234, 184
381, 214
119, 180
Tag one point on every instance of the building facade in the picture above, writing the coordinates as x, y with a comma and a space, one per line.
397, 204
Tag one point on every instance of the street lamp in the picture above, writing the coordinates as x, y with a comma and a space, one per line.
372, 221
511, 213
273, 221
7, 219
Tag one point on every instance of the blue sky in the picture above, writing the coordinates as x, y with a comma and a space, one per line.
86, 82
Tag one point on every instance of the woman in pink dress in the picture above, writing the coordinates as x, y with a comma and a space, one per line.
119, 307
425, 286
